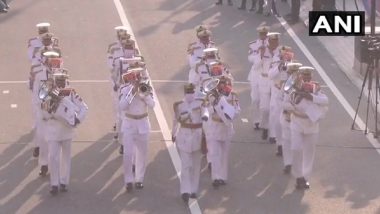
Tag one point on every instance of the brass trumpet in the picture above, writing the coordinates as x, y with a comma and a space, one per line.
142, 87
50, 97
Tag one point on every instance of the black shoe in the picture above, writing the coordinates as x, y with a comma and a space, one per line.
43, 170
279, 151
63, 188
36, 152
267, 14
301, 183
193, 195
272, 140
257, 127
4, 11
209, 167
287, 169
230, 3
241, 8
217, 3
221, 182
121, 150
129, 187
277, 15
264, 135
133, 168
215, 183
139, 185
54, 190
185, 197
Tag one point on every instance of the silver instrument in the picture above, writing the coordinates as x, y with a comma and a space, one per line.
50, 97
143, 87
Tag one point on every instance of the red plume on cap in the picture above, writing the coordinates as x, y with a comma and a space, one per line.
226, 90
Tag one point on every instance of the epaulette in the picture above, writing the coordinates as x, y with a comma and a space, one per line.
175, 105
114, 49
30, 41
110, 46
33, 67
251, 42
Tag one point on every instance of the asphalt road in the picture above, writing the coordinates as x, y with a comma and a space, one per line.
345, 176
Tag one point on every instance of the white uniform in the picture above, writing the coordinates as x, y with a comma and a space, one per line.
135, 130
285, 139
253, 77
60, 132
34, 45
221, 131
262, 65
38, 74
277, 75
195, 54
304, 127
188, 122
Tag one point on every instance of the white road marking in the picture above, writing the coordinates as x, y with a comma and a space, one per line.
6, 92
13, 105
194, 208
359, 122
245, 120
107, 81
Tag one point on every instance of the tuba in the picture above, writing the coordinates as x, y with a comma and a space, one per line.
50, 97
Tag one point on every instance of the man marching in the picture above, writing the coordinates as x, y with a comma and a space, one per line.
134, 100
187, 134
254, 73
63, 110
308, 105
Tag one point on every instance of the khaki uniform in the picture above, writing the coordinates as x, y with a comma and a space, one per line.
135, 131
188, 122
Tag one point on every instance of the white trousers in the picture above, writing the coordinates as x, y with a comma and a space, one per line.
255, 102
135, 147
59, 162
219, 152
264, 110
274, 123
286, 142
303, 146
190, 171
39, 139
117, 113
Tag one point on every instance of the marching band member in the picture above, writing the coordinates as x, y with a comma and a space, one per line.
254, 73
204, 68
63, 110
292, 69
263, 61
308, 105
225, 105
47, 45
121, 34
187, 134
277, 75
135, 99
195, 50
35, 43
121, 67
126, 49
40, 73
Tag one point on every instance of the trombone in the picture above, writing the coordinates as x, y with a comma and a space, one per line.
143, 87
